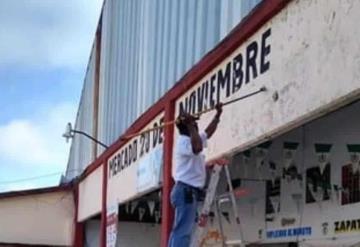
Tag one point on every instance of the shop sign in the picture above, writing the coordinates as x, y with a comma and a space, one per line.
139, 148
344, 226
290, 232
136, 167
276, 56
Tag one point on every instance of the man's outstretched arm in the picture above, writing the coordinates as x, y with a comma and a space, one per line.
196, 141
211, 128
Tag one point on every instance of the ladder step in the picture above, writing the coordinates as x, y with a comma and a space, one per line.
234, 243
208, 202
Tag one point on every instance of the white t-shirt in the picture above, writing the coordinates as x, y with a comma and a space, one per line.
189, 167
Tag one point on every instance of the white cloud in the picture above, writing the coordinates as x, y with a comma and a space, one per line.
38, 142
44, 32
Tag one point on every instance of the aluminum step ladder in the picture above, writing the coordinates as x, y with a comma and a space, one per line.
210, 198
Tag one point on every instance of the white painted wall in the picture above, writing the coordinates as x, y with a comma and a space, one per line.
90, 194
314, 66
45, 219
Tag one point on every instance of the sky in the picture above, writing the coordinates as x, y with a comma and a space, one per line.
44, 51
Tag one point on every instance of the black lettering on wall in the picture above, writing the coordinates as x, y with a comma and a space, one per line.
135, 150
223, 81
125, 158
200, 97
265, 51
206, 105
184, 105
251, 54
161, 131
348, 224
142, 144
155, 134
147, 142
129, 154
111, 168
342, 226
238, 73
230, 79
121, 160
212, 90
353, 225
192, 104
130, 150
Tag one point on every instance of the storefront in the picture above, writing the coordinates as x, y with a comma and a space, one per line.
293, 147
298, 189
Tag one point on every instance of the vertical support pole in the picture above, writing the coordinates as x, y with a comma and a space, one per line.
79, 226
104, 205
167, 211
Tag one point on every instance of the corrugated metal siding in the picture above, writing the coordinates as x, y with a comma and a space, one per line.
81, 147
148, 45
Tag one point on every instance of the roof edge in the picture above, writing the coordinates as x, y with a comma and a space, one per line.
54, 189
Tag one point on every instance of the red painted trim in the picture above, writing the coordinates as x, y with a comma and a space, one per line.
79, 226
61, 188
103, 207
167, 210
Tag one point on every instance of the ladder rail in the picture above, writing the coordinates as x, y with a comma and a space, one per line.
218, 212
233, 202
210, 198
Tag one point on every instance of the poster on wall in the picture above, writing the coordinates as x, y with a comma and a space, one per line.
318, 184
149, 172
351, 176
111, 225
272, 206
290, 167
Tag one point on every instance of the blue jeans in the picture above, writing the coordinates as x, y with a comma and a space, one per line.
184, 200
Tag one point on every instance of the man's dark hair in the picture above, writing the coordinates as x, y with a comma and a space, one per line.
183, 129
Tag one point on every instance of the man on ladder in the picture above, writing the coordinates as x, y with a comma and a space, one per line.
189, 175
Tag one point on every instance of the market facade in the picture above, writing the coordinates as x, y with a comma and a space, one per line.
294, 148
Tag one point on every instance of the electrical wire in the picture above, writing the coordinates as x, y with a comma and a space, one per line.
35, 177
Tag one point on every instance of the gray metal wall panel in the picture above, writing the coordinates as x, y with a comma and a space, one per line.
150, 45
81, 147
146, 47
